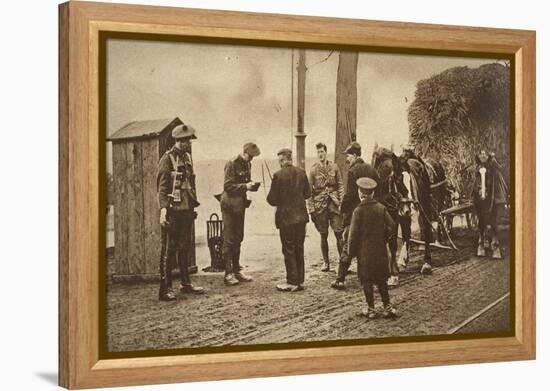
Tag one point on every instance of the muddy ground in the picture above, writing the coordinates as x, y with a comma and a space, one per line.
256, 313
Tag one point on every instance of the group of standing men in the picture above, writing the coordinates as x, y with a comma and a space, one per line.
362, 226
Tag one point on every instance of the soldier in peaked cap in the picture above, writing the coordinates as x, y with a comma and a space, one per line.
357, 169
177, 199
237, 182
371, 229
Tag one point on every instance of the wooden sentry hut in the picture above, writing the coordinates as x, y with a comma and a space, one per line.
137, 149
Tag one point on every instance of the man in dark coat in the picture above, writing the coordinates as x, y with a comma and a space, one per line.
289, 190
357, 169
233, 204
371, 229
177, 199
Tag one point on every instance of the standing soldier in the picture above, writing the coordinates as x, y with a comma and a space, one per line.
327, 191
370, 230
177, 200
357, 169
289, 191
233, 204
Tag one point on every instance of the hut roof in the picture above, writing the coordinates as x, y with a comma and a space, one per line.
144, 129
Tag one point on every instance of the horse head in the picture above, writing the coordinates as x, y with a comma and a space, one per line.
483, 177
392, 189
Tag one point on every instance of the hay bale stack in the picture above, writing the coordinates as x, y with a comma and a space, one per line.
457, 113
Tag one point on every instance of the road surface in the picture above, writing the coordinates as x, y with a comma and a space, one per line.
256, 313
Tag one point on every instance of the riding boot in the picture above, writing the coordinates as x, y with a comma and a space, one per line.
344, 264
162, 271
165, 291
237, 268
236, 260
228, 264
341, 276
184, 268
324, 252
229, 278
339, 243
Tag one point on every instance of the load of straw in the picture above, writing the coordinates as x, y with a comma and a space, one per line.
457, 113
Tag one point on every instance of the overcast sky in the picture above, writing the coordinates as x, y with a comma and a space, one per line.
232, 94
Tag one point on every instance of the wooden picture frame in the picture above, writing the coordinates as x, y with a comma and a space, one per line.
80, 156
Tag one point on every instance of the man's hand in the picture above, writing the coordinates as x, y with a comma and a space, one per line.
250, 185
163, 219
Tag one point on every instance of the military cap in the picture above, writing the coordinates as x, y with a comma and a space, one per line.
353, 149
183, 131
285, 151
408, 147
366, 184
252, 149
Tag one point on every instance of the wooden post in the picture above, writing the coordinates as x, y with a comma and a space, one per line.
346, 107
300, 134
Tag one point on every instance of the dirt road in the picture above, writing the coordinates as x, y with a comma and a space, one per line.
256, 313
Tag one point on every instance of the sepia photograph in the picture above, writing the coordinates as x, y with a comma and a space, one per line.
266, 195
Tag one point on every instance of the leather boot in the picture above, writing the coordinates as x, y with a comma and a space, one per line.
339, 244
242, 277
165, 291
239, 275
230, 280
190, 288
324, 252
168, 296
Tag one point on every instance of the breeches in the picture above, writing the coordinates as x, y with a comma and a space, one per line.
328, 218
233, 234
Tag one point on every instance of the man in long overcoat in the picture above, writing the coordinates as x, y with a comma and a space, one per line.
371, 229
289, 191
357, 169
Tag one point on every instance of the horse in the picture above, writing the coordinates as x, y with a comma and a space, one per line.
490, 191
425, 181
393, 194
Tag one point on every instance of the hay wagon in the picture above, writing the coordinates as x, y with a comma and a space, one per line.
463, 208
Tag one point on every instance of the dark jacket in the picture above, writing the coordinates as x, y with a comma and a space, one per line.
371, 228
236, 176
289, 190
165, 181
359, 169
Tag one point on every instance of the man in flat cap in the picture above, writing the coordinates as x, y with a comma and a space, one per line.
177, 199
288, 193
371, 229
233, 201
357, 169
327, 190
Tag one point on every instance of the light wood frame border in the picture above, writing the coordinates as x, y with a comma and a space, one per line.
79, 25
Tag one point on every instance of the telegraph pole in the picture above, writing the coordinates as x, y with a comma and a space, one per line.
346, 107
300, 134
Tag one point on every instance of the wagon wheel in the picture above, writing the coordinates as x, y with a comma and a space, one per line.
471, 220
449, 222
